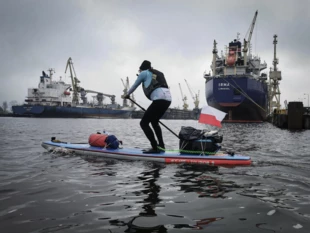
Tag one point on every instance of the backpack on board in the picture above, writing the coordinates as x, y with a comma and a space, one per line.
196, 141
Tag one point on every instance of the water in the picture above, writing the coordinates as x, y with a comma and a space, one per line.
57, 192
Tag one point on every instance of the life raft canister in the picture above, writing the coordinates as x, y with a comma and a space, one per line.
97, 140
231, 59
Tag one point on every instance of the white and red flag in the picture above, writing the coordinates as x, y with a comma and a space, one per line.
211, 116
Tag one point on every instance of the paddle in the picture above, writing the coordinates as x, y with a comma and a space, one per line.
159, 121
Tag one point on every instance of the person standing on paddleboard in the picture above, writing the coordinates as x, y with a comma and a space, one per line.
156, 89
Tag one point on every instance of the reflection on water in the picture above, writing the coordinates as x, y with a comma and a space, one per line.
194, 179
151, 192
188, 181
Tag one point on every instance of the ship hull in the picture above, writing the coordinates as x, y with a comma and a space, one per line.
248, 106
68, 112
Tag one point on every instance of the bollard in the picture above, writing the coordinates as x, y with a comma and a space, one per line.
306, 122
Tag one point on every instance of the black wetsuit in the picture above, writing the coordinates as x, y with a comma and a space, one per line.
152, 115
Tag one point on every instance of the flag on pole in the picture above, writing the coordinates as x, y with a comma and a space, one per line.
211, 116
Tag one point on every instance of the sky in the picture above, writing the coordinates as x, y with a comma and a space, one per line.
108, 40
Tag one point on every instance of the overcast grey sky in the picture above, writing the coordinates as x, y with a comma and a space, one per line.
109, 39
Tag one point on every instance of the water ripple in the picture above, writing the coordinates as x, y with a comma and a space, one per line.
60, 192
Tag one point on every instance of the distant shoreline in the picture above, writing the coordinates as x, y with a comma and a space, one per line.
6, 114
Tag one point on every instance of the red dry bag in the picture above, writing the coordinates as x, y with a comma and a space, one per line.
97, 140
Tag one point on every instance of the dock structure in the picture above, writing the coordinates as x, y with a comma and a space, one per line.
295, 117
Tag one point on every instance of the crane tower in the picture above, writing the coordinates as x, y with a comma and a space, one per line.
75, 82
274, 81
184, 99
125, 91
195, 97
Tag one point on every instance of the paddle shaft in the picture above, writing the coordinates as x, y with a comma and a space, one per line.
159, 121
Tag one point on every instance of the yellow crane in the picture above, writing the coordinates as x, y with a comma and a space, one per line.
99, 97
195, 97
184, 99
126, 89
75, 82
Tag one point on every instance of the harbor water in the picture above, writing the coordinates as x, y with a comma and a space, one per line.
59, 192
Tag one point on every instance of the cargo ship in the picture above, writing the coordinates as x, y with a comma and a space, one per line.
58, 99
236, 85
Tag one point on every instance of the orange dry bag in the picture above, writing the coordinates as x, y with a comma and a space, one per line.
97, 140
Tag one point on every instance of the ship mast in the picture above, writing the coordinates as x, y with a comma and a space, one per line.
51, 71
214, 51
247, 42
274, 78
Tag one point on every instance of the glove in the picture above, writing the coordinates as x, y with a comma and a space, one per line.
125, 96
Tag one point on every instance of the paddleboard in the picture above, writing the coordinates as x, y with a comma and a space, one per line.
218, 159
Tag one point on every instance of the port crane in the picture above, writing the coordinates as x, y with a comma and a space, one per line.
195, 97
126, 88
184, 99
274, 81
75, 82
99, 97
77, 89
247, 42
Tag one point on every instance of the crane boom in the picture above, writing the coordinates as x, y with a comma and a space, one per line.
133, 97
125, 104
190, 90
99, 95
184, 98
97, 92
247, 42
126, 88
181, 91
195, 97
124, 83
252, 27
74, 80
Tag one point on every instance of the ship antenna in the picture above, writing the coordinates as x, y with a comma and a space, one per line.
238, 38
214, 51
51, 71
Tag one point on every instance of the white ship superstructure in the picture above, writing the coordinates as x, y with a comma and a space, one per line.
49, 92
61, 100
